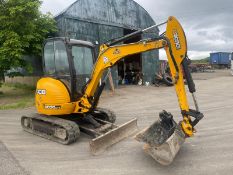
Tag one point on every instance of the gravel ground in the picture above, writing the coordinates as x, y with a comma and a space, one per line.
209, 152
8, 164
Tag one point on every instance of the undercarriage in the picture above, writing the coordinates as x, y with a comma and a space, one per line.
66, 129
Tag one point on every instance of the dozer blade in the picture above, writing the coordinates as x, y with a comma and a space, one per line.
162, 139
99, 144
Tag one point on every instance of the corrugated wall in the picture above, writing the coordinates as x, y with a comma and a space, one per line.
90, 32
102, 20
106, 33
150, 62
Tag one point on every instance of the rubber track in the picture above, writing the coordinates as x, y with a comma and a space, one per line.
111, 115
72, 128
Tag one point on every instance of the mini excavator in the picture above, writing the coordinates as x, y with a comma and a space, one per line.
66, 106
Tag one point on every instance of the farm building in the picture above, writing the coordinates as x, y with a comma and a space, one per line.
99, 21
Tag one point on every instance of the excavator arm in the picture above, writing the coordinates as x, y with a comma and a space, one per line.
107, 58
174, 43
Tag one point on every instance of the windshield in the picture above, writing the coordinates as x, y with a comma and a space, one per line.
83, 60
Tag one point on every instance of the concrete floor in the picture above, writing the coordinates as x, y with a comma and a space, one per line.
210, 152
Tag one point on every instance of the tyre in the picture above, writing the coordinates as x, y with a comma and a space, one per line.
167, 80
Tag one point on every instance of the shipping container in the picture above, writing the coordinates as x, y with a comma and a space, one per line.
220, 58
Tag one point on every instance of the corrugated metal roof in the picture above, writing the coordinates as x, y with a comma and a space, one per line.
122, 13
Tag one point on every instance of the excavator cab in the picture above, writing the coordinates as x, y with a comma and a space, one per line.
68, 66
71, 61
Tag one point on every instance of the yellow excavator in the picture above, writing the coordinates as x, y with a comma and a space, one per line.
66, 106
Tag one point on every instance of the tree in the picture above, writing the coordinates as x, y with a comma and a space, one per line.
22, 31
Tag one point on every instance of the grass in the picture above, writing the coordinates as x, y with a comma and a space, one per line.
20, 86
16, 96
18, 105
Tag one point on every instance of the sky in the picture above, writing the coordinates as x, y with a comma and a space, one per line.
208, 24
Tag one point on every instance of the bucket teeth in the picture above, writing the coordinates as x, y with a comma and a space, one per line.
162, 139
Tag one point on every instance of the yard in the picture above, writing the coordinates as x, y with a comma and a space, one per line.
208, 152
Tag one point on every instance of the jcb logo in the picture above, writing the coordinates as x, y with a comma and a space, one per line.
41, 92
176, 40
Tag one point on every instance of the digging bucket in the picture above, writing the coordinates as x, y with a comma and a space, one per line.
163, 139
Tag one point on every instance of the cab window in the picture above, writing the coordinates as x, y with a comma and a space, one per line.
49, 58
61, 58
83, 60
56, 59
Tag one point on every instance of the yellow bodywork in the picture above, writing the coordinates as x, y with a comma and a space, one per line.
57, 100
176, 36
53, 98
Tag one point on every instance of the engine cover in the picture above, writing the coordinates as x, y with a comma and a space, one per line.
52, 97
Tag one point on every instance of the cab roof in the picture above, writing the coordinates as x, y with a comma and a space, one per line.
71, 41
